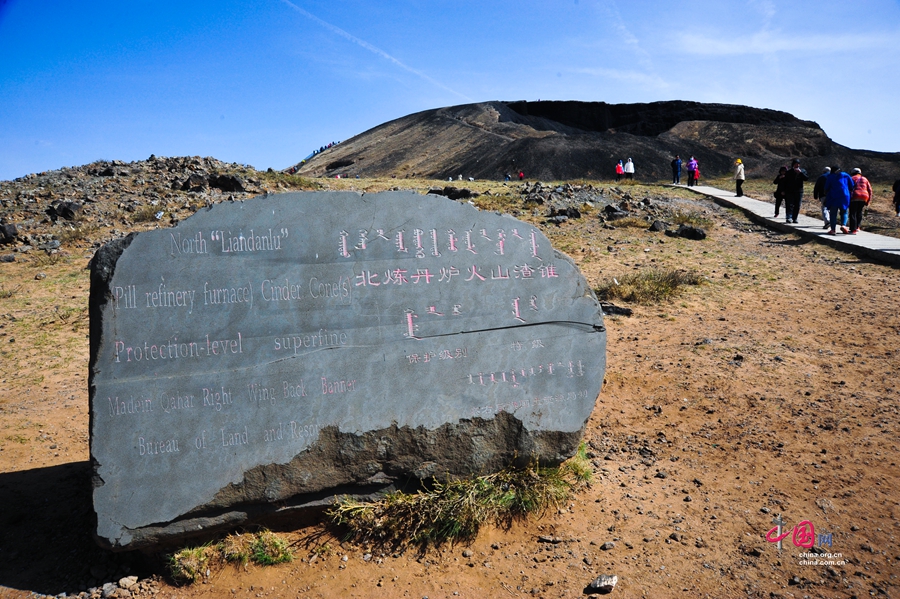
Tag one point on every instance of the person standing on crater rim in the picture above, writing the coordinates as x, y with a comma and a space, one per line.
738, 178
620, 169
676, 170
793, 190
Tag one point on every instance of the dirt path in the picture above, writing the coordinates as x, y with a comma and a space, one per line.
769, 390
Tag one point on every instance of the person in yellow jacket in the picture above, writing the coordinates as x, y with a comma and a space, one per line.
738, 177
859, 199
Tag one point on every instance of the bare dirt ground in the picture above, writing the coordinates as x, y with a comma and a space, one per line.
769, 390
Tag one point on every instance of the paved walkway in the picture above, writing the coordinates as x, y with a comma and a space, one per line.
877, 247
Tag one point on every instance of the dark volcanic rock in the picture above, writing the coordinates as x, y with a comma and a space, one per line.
270, 354
195, 183
454, 193
568, 212
63, 210
647, 120
688, 232
8, 233
226, 182
611, 212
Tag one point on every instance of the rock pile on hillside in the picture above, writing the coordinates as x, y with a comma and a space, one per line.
39, 210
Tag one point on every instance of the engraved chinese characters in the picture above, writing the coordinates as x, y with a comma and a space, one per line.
279, 350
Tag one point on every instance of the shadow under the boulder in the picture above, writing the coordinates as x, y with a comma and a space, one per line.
46, 533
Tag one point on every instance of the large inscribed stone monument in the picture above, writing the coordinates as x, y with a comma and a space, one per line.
267, 355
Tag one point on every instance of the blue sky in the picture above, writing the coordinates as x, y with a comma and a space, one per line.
264, 82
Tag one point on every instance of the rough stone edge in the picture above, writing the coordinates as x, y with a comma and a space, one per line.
102, 267
340, 464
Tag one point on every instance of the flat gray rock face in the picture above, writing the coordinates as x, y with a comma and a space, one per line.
272, 353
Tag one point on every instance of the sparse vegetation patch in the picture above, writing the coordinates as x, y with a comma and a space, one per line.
649, 286
264, 548
455, 511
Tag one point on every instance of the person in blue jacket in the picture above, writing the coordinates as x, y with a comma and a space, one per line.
838, 187
676, 170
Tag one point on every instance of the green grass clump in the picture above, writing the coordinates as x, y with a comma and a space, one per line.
693, 219
268, 549
191, 564
647, 287
456, 510
264, 548
8, 292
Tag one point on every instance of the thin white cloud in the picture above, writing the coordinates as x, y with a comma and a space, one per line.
768, 10
628, 38
373, 49
643, 79
771, 43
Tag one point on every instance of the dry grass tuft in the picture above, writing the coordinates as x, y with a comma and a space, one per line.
632, 222
648, 287
8, 292
84, 232
147, 214
455, 511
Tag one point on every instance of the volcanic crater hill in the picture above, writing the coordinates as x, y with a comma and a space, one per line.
565, 140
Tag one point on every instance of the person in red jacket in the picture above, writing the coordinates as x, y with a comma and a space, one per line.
859, 199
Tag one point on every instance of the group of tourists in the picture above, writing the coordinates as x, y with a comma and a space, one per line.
692, 167
843, 196
625, 168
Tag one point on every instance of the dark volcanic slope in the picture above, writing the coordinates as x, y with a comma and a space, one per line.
573, 140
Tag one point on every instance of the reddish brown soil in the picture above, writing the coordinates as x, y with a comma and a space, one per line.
771, 389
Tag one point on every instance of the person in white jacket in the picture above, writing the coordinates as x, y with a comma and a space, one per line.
629, 170
738, 177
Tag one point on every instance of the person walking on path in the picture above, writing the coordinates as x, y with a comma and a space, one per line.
819, 194
896, 189
838, 187
620, 169
793, 190
676, 170
629, 170
779, 189
738, 177
859, 199
692, 167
